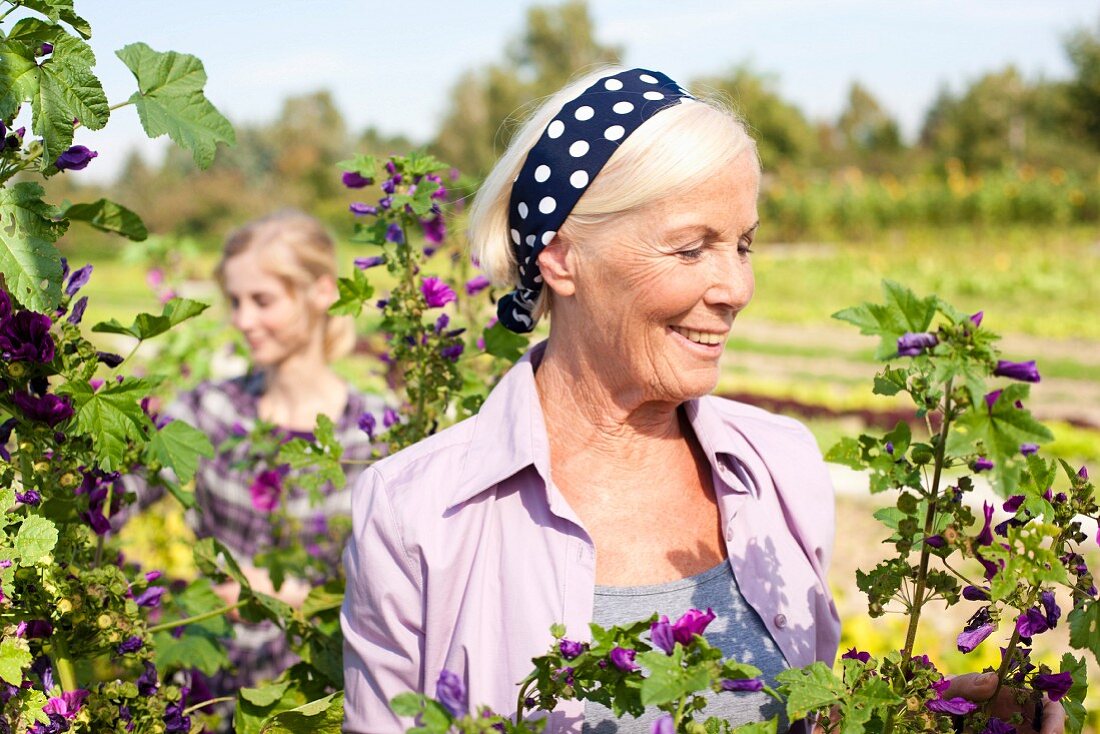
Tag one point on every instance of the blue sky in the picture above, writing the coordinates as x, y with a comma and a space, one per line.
391, 64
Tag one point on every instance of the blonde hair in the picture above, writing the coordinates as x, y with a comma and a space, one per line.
673, 151
313, 256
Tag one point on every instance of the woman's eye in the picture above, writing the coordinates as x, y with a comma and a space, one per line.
745, 247
691, 253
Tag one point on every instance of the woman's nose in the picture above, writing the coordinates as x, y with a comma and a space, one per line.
732, 283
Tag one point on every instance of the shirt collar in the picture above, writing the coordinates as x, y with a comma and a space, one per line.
509, 434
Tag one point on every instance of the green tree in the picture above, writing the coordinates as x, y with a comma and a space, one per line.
1083, 49
865, 126
557, 43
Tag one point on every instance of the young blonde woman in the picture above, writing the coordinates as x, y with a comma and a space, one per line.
278, 275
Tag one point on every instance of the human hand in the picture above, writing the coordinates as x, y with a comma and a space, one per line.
980, 687
229, 592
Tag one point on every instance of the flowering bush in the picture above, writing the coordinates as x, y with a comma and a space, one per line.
1017, 572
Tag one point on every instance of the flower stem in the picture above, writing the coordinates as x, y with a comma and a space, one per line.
209, 702
929, 525
63, 663
521, 701
197, 618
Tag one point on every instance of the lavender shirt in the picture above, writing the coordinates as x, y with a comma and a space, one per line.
464, 553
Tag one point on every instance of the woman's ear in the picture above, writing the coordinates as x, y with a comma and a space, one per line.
558, 265
323, 293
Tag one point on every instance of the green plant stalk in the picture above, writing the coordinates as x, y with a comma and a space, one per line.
521, 700
163, 626
210, 702
63, 663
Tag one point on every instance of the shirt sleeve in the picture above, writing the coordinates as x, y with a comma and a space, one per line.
382, 614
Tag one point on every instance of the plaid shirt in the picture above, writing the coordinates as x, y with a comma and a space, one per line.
229, 408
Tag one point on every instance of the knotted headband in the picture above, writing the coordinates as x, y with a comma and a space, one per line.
572, 149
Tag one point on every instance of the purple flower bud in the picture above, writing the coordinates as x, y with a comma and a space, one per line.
353, 180
78, 311
982, 464
452, 351
1027, 449
985, 537
437, 293
693, 622
109, 359
623, 659
391, 167
129, 645
152, 576
974, 593
385, 202
367, 424
750, 685
570, 649
78, 280
991, 399
1023, 371
854, 654
390, 418
1055, 685
75, 158
976, 319
954, 706
476, 284
889, 447
910, 344
147, 682
1013, 503
366, 263
1083, 472
1051, 610
45, 49
395, 234
936, 541
435, 229
451, 692
1031, 623
978, 627
150, 597
664, 725
360, 209
661, 634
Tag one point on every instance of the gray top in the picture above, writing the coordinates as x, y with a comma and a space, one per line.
737, 631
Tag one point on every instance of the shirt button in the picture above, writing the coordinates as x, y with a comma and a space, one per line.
729, 534
780, 621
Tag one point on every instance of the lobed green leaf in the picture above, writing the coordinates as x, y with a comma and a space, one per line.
107, 216
28, 259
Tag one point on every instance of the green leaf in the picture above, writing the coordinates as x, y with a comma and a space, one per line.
197, 647
353, 292
112, 416
198, 598
147, 325
300, 688
15, 657
35, 540
500, 342
30, 263
178, 446
57, 10
1073, 701
265, 695
902, 313
108, 216
365, 165
846, 452
1084, 628
323, 598
858, 708
758, 727
407, 704
19, 79
67, 90
170, 100
999, 430
215, 560
810, 689
323, 716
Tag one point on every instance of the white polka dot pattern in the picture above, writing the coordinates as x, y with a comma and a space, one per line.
560, 166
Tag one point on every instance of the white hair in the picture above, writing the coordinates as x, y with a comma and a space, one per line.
676, 149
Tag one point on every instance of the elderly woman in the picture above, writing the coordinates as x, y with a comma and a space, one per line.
600, 481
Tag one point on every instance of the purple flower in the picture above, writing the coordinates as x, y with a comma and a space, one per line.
452, 351
30, 497
661, 634
366, 263
985, 537
1051, 610
78, 280
129, 645
910, 344
693, 622
623, 659
150, 597
68, 704
367, 424
477, 284
49, 409
152, 576
954, 706
991, 398
1013, 503
5, 435
75, 158
360, 209
1083, 472
78, 311
1055, 685
147, 683
570, 649
976, 319
978, 627
395, 234
435, 229
974, 593
1023, 371
266, 489
353, 180
936, 541
1027, 449
390, 418
385, 202
889, 447
664, 725
1031, 622
45, 49
390, 184
451, 692
175, 720
25, 337
437, 293
110, 359
996, 726
854, 654
982, 464
744, 684
43, 668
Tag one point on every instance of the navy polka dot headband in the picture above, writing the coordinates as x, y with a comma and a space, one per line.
573, 148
